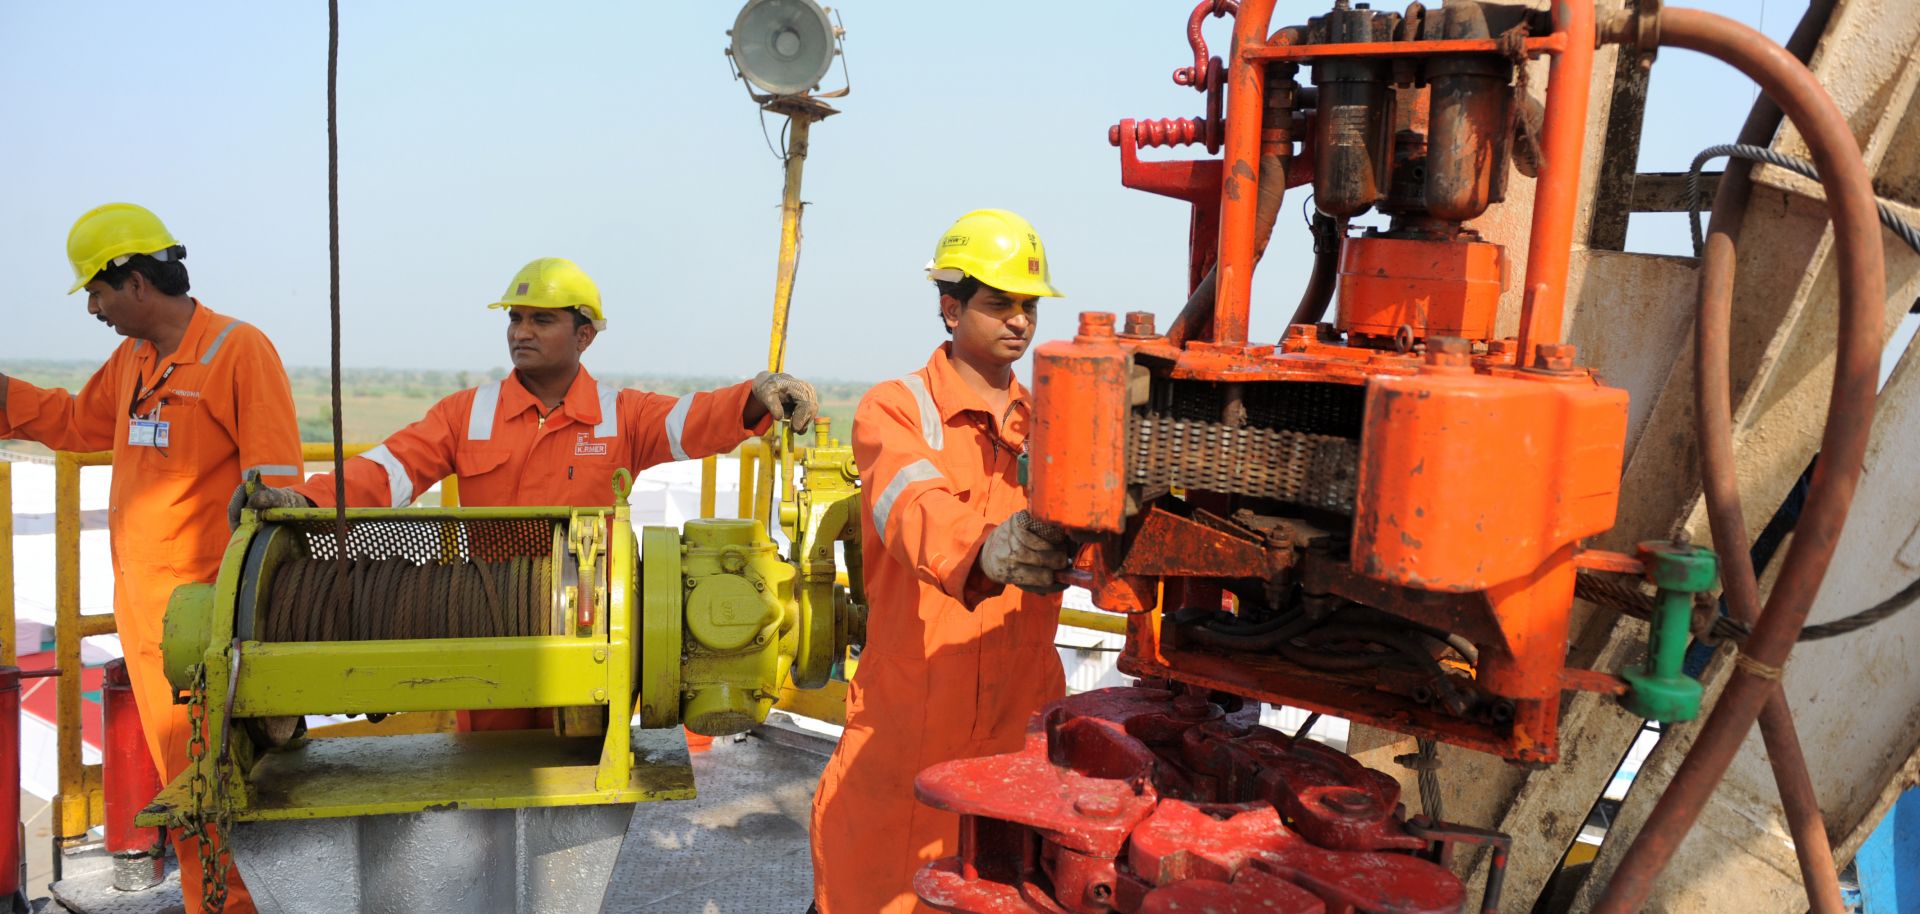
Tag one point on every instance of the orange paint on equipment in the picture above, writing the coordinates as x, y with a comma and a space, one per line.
1436, 287
1078, 468
1402, 458
1452, 499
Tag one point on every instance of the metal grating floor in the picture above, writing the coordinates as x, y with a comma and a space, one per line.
739, 848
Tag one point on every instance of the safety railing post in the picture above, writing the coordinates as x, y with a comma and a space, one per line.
71, 813
749, 450
709, 483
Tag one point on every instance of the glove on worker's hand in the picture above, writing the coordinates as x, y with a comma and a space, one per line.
1025, 553
263, 497
787, 397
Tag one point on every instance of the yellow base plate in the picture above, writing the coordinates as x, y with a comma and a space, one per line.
368, 776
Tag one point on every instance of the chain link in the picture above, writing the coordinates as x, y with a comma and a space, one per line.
215, 862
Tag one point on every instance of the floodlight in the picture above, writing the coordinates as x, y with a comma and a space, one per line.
784, 47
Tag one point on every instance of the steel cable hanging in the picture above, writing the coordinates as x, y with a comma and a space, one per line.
1801, 167
333, 311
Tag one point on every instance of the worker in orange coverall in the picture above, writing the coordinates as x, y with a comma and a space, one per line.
188, 403
956, 660
548, 433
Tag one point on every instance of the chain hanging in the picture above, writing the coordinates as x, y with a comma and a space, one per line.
215, 863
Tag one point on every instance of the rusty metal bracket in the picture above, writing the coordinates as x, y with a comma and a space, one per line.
1646, 32
1637, 30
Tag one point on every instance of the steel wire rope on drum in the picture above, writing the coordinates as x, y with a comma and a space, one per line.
394, 599
455, 610
492, 626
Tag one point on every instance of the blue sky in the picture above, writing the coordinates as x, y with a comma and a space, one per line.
476, 136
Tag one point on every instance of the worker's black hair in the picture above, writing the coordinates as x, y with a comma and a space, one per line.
962, 291
580, 318
167, 277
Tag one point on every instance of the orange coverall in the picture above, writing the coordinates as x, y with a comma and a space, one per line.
937, 680
506, 454
229, 409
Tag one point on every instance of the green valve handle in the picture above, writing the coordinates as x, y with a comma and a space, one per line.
1661, 690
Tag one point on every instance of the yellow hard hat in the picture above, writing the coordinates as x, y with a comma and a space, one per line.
112, 231
995, 247
554, 282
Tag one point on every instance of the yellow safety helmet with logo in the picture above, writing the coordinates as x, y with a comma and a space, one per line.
995, 247
109, 234
554, 282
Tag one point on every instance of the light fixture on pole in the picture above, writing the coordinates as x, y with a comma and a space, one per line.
784, 48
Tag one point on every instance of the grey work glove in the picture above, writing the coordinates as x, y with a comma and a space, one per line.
787, 397
263, 497
1025, 553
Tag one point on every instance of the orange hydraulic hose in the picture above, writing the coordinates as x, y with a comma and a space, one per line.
1556, 198
1714, 415
1740, 587
1843, 443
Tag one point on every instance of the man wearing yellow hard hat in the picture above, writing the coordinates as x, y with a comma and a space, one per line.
548, 433
956, 660
188, 403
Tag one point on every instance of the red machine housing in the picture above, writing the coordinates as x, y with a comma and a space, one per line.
129, 784
1145, 799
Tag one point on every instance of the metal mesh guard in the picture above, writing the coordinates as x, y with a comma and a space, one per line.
1318, 471
436, 539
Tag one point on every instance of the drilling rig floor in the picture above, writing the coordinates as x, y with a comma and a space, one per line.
739, 847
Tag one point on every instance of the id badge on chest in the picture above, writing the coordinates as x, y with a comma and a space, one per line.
147, 433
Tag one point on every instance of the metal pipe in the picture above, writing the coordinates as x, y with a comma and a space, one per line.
709, 482
1714, 416
750, 449
1278, 108
1200, 307
799, 126
71, 809
1843, 443
1557, 190
1246, 97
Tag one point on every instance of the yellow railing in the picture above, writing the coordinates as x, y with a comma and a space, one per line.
77, 807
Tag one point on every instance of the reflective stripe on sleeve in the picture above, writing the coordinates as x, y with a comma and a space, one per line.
931, 428
917, 471
677, 425
480, 421
399, 484
274, 469
609, 414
